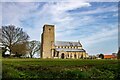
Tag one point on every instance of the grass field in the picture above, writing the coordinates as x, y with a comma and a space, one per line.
58, 68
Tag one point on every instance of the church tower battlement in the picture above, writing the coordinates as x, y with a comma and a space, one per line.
47, 39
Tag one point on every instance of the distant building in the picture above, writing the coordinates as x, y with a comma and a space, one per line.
115, 54
0, 39
59, 49
110, 57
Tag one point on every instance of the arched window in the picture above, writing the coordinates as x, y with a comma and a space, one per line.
71, 55
57, 53
68, 54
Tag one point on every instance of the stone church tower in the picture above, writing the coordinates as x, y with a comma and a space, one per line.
47, 40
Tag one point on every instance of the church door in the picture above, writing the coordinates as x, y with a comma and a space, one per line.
75, 56
62, 55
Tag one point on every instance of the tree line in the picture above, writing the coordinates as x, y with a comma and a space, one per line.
16, 42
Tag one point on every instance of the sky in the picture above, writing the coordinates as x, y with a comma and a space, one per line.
94, 24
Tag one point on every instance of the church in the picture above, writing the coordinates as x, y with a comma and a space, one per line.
59, 49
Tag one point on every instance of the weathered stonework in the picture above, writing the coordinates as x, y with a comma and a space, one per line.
46, 41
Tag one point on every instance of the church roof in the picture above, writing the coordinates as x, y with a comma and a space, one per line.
63, 49
65, 43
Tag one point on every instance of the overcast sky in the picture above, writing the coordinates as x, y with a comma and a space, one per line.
94, 24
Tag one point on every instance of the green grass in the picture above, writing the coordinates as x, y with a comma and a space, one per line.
59, 68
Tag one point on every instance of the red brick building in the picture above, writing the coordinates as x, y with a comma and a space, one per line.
110, 57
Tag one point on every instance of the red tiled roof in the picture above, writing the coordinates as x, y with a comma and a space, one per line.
109, 56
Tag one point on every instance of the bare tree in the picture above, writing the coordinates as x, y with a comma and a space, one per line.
101, 56
19, 49
33, 47
12, 35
